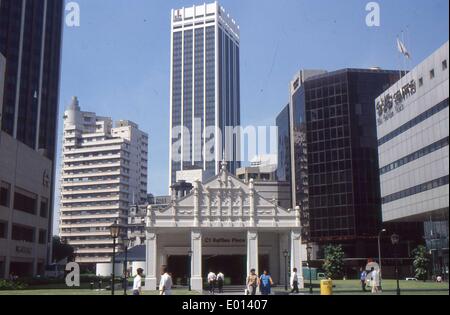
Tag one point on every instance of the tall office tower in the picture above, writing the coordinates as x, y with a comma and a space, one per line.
104, 171
205, 89
413, 136
335, 164
283, 172
30, 40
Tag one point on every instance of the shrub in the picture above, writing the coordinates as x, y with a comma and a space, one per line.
11, 285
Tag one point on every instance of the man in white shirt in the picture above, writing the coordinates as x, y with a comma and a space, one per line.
294, 281
375, 276
137, 283
211, 281
220, 281
165, 285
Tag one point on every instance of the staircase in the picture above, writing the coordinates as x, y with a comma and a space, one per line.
228, 290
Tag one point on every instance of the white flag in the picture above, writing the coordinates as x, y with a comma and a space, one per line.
402, 49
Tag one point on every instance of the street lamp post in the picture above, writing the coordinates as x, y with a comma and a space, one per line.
309, 252
395, 239
379, 254
115, 231
190, 270
286, 254
126, 243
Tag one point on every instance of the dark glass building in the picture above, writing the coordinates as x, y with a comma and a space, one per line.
284, 146
335, 157
30, 40
343, 181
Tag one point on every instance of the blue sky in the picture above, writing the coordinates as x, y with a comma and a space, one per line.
117, 62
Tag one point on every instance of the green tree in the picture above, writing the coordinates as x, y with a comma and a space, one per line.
61, 250
334, 261
421, 262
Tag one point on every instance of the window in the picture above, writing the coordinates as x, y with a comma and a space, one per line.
444, 65
44, 208
24, 201
42, 236
3, 229
420, 82
432, 74
22, 233
4, 194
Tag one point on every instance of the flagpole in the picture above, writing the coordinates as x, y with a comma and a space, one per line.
399, 61
404, 62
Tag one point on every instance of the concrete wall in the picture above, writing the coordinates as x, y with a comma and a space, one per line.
23, 168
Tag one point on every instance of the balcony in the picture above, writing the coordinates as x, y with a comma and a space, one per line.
91, 166
90, 191
94, 158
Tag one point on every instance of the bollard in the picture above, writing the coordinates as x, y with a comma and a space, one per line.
326, 287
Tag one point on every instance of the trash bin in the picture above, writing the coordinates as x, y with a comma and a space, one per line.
326, 287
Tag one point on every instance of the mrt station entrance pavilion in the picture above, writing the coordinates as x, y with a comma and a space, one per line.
225, 226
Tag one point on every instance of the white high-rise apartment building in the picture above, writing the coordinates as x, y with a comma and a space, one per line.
104, 170
205, 89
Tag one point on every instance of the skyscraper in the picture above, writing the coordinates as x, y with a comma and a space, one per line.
30, 41
205, 89
334, 158
104, 171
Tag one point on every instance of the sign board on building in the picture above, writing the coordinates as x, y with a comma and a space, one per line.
392, 103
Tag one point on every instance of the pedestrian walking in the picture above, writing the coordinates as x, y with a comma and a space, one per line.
220, 281
137, 282
165, 285
212, 282
363, 278
252, 282
294, 281
265, 283
375, 280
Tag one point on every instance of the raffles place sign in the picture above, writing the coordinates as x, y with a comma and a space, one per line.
223, 241
390, 103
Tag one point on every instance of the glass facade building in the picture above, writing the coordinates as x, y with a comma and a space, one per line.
205, 89
343, 182
334, 162
284, 146
30, 40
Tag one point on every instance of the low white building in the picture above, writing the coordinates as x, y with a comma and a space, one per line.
222, 225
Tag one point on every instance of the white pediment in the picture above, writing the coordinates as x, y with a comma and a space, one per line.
224, 201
